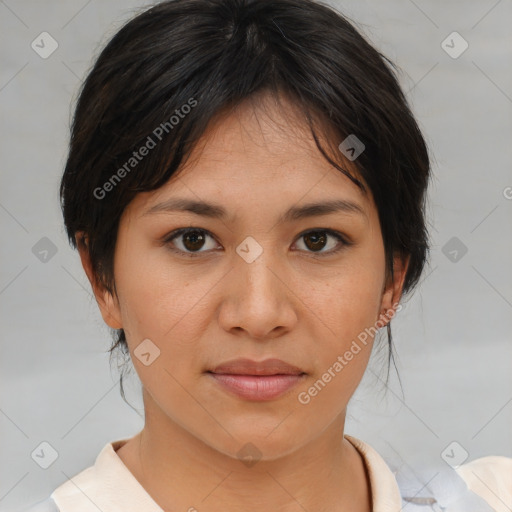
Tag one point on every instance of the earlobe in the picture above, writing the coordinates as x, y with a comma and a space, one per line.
109, 307
110, 310
393, 290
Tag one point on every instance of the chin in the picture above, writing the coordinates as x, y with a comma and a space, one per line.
264, 442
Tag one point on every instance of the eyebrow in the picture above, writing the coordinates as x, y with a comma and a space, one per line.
294, 213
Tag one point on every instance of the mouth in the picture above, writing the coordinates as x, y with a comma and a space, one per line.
257, 368
257, 381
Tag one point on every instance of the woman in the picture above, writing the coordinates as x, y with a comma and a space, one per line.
246, 189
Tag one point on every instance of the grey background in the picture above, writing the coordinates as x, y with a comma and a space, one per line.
452, 337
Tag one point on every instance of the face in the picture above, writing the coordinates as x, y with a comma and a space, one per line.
267, 279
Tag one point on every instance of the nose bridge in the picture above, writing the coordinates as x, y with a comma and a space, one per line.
257, 299
255, 264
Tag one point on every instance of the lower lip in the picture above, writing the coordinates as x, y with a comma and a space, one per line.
257, 387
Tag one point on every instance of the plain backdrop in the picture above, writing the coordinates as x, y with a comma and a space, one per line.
452, 337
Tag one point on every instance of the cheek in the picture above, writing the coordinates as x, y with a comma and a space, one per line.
161, 304
348, 307
349, 299
156, 294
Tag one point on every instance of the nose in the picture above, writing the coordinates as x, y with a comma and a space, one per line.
258, 300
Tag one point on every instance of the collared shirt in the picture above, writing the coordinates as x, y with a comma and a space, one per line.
483, 485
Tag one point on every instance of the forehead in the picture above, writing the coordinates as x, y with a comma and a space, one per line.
265, 129
261, 154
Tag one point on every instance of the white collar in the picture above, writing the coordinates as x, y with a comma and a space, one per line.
109, 486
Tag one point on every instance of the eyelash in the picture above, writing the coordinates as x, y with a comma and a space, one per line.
175, 234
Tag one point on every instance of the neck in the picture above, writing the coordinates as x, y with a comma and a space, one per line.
181, 472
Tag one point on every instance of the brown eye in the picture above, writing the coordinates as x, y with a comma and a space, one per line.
315, 241
192, 241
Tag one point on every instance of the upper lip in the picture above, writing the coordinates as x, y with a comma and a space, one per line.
249, 367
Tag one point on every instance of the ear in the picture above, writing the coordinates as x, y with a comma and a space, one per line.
109, 306
392, 291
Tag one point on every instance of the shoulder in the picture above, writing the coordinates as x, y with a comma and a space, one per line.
482, 485
70, 495
491, 478
46, 505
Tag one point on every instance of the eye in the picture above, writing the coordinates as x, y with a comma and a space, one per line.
317, 239
193, 240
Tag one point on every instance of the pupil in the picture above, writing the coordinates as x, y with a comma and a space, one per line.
316, 239
195, 236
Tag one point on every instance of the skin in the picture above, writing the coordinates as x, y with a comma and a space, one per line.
291, 303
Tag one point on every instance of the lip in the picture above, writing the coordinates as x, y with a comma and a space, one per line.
249, 367
258, 381
257, 387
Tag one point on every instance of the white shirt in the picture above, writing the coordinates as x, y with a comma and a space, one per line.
483, 485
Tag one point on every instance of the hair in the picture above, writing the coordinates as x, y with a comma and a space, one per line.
172, 69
